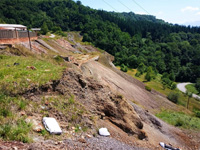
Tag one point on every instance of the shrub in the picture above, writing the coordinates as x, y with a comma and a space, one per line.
173, 86
179, 122
138, 74
148, 88
124, 68
58, 58
173, 97
197, 113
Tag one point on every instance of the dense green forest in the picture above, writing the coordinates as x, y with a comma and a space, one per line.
136, 41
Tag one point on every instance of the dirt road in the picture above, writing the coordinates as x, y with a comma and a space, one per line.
181, 87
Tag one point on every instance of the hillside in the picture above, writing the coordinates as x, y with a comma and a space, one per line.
91, 69
134, 40
83, 95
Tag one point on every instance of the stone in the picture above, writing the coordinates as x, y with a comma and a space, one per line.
88, 136
14, 148
104, 132
82, 140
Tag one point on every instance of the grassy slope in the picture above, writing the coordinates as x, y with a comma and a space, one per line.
15, 78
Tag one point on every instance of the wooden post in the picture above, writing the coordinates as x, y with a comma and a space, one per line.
16, 33
29, 40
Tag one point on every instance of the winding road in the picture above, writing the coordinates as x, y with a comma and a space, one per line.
181, 87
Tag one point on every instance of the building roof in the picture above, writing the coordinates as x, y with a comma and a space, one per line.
12, 26
36, 29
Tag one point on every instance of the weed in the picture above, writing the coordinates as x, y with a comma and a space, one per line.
44, 133
5, 112
22, 105
71, 99
18, 131
77, 128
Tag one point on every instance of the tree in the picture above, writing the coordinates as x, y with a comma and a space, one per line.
197, 85
150, 74
141, 68
189, 94
44, 28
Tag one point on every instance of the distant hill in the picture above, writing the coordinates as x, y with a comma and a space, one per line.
137, 17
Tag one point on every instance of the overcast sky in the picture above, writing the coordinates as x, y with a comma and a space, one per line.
185, 12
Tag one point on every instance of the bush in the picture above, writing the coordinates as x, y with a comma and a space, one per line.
138, 74
124, 68
173, 86
197, 113
58, 59
173, 97
179, 122
148, 88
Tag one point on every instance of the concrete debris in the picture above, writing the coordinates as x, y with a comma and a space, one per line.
104, 132
52, 125
168, 147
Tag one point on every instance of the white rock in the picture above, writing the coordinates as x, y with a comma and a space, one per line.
162, 144
104, 132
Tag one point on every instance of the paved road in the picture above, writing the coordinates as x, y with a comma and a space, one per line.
181, 87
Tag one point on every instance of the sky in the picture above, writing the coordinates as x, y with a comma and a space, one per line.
183, 12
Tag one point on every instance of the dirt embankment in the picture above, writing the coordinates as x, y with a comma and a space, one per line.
134, 91
120, 116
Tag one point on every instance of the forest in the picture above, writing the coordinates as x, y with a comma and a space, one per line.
136, 41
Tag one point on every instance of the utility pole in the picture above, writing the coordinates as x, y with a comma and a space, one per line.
29, 40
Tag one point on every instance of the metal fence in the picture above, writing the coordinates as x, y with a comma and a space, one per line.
6, 34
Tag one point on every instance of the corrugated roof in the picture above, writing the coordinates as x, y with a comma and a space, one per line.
12, 26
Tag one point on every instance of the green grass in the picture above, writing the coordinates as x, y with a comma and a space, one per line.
180, 119
191, 88
16, 78
16, 132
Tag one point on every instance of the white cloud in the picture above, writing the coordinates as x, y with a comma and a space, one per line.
189, 8
198, 13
